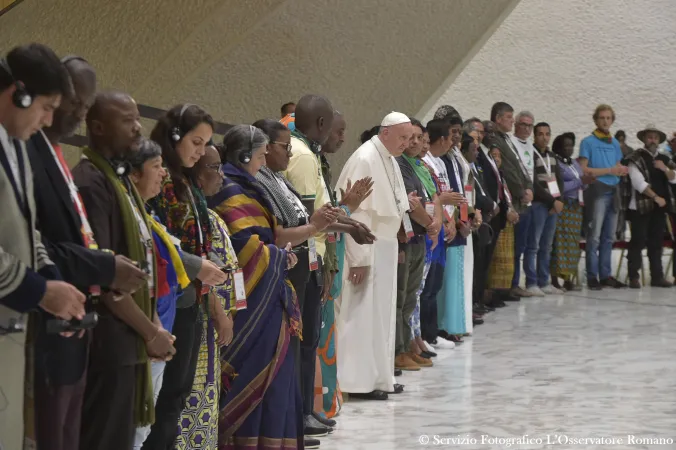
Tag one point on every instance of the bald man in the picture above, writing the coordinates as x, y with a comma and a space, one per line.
62, 220
366, 321
118, 395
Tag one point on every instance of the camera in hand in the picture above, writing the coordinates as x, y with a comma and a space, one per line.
56, 326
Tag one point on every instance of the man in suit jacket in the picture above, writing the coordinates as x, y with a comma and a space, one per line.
32, 82
519, 183
62, 220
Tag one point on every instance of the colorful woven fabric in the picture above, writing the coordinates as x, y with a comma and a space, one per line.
501, 271
566, 253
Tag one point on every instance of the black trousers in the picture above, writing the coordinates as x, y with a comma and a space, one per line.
308, 286
483, 255
428, 299
108, 409
647, 230
179, 375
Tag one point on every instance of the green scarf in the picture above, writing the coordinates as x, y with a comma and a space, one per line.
605, 137
422, 173
144, 403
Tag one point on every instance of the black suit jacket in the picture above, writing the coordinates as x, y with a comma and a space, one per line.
63, 359
491, 185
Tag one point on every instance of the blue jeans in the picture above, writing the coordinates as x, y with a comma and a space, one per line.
600, 236
521, 231
539, 246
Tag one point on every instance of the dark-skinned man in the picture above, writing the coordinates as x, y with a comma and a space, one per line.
118, 395
62, 220
314, 120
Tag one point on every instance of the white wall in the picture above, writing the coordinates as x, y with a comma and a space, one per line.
560, 58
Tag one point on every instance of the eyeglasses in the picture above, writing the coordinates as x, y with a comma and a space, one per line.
215, 166
283, 144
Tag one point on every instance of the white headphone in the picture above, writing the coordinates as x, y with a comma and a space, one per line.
176, 131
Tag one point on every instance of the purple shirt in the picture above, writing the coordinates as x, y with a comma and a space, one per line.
571, 183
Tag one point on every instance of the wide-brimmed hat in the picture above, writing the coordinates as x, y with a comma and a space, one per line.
653, 128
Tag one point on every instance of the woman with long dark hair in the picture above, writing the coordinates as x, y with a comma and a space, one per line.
262, 407
183, 133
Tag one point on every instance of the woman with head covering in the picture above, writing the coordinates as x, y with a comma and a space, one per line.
566, 251
262, 406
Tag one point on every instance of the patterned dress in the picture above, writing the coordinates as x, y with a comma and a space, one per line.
198, 425
566, 252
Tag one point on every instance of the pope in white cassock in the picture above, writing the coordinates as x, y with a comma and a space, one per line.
366, 319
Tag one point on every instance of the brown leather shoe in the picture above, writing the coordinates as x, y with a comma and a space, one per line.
421, 361
634, 283
404, 362
663, 283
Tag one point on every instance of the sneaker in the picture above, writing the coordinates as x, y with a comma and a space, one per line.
314, 428
444, 343
613, 283
324, 420
520, 292
429, 348
310, 443
551, 290
535, 291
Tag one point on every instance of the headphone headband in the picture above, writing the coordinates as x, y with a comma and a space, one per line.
68, 58
176, 133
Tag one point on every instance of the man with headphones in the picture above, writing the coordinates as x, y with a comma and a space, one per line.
60, 371
32, 83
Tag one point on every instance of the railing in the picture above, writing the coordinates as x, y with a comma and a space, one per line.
6, 5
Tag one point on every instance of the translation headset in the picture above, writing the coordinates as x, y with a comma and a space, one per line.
246, 155
176, 134
68, 58
20, 98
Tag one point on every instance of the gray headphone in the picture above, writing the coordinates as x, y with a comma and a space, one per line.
176, 134
246, 155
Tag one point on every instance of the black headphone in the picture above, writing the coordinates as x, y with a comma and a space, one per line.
176, 134
246, 155
21, 98
122, 168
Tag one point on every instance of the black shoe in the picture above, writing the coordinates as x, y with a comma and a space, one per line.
428, 355
398, 389
397, 372
315, 428
373, 395
497, 304
613, 283
510, 298
324, 420
594, 285
310, 443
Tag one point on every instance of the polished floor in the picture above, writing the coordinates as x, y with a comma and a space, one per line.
556, 369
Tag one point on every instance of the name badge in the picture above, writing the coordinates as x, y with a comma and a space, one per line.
448, 213
468, 192
408, 228
331, 238
205, 288
314, 262
580, 197
240, 290
429, 208
464, 212
339, 236
553, 188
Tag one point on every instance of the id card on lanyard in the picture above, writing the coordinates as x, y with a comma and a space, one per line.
464, 207
240, 289
408, 227
312, 254
552, 185
331, 237
580, 192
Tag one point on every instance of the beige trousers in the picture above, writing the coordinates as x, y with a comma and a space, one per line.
12, 377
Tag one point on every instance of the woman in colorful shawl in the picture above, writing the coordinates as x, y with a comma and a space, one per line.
199, 419
262, 407
147, 174
566, 252
431, 184
183, 133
